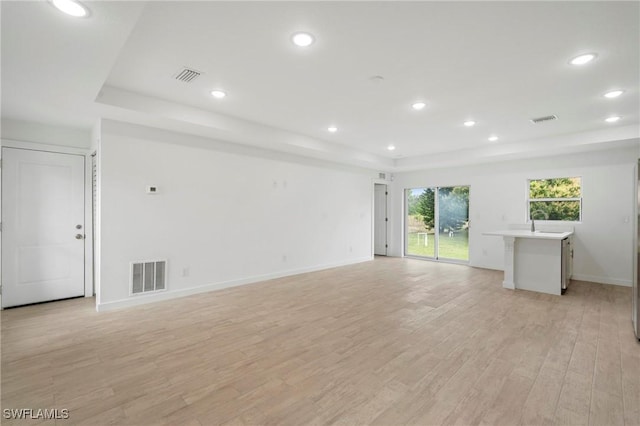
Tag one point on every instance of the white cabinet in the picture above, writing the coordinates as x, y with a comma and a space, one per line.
537, 261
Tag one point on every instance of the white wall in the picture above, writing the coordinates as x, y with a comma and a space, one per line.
25, 131
497, 198
227, 217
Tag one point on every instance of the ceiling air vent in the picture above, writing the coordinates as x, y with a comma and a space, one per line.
187, 75
543, 119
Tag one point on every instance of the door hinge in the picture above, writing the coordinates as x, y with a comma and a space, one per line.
386, 193
386, 219
0, 226
386, 246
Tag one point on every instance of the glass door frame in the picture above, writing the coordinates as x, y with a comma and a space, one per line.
405, 252
436, 225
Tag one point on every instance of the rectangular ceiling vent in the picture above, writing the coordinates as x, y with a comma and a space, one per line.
148, 276
543, 119
187, 75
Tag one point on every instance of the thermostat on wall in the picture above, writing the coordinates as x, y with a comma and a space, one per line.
152, 189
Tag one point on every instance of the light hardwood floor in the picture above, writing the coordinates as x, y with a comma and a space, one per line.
387, 342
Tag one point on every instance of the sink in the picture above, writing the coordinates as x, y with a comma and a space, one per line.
552, 232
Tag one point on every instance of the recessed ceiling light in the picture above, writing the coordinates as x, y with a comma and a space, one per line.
418, 105
583, 59
218, 94
612, 119
302, 39
493, 138
71, 7
613, 94
469, 123
332, 129
391, 147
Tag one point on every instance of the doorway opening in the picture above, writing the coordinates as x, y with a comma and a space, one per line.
94, 212
380, 219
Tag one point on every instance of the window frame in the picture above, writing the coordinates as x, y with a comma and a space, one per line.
529, 200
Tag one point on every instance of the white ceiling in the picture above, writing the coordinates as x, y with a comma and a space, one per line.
498, 63
53, 66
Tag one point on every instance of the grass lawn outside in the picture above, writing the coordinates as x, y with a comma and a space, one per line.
455, 247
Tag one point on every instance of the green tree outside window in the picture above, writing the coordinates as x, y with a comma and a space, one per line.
555, 199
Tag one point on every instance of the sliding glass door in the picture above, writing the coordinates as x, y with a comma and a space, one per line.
453, 222
437, 223
420, 222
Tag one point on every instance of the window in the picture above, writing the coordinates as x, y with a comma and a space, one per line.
555, 199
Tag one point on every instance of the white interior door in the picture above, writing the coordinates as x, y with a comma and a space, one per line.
380, 220
42, 226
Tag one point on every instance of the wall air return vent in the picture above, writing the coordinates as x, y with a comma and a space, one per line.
148, 276
543, 119
187, 75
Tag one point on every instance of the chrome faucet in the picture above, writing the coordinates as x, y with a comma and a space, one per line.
533, 222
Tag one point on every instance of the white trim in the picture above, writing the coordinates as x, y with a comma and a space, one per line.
92, 213
1, 174
10, 143
405, 222
635, 278
156, 297
555, 199
436, 224
88, 227
600, 280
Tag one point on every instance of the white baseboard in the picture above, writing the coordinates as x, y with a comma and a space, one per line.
601, 280
173, 294
579, 277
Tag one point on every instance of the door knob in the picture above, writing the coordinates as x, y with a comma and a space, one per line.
79, 236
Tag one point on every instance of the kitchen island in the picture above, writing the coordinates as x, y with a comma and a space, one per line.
536, 261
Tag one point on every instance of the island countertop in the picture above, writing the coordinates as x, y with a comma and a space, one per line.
521, 233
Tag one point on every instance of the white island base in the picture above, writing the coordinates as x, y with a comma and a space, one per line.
533, 260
